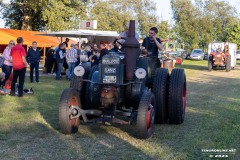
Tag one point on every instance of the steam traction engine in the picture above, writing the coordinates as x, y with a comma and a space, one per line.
126, 89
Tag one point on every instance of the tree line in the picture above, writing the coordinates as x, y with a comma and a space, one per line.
200, 22
196, 23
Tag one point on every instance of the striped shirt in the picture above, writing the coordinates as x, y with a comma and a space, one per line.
71, 55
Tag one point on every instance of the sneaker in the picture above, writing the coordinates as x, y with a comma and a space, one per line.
12, 94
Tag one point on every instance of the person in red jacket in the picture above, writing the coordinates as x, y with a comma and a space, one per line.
19, 63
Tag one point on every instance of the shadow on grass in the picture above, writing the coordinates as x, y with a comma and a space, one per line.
211, 122
192, 67
38, 141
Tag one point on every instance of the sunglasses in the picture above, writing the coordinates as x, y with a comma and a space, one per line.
12, 43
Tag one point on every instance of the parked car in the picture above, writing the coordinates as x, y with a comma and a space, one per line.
197, 54
238, 54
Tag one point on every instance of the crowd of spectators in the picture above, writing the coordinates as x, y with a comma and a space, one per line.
62, 60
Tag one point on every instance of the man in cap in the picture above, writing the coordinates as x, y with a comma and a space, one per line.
124, 34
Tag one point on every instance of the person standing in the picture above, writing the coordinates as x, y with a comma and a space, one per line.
124, 34
33, 59
7, 64
66, 42
94, 58
76, 46
60, 59
50, 59
19, 63
71, 57
152, 43
103, 51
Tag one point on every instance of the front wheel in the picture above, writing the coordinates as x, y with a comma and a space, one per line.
145, 116
228, 63
209, 66
69, 99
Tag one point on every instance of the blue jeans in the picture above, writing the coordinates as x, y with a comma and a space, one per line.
36, 67
59, 70
7, 70
71, 67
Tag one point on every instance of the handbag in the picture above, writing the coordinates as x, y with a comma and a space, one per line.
2, 59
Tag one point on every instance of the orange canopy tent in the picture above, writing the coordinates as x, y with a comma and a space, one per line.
28, 37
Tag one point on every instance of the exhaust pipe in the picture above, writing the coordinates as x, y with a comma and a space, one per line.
131, 46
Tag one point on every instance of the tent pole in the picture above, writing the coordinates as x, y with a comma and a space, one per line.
44, 54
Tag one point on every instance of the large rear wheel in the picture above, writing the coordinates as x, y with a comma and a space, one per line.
160, 89
177, 96
69, 99
210, 59
145, 116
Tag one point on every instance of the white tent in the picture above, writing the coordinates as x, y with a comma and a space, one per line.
95, 36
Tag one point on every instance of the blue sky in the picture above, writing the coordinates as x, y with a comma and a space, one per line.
163, 9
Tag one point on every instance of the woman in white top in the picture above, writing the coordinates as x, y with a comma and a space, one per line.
7, 65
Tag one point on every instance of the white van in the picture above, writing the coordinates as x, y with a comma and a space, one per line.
232, 48
238, 54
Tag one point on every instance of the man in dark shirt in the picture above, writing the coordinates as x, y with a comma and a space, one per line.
33, 59
152, 43
49, 60
94, 58
60, 59
66, 42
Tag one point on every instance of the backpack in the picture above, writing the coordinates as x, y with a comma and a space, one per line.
1, 61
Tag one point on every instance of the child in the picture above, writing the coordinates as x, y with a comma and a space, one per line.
144, 53
94, 58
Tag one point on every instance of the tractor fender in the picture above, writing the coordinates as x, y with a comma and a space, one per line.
137, 90
94, 91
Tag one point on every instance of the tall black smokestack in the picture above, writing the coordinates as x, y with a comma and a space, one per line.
131, 46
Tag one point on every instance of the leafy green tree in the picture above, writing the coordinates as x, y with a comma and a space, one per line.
234, 34
164, 29
185, 15
36, 14
114, 14
199, 23
24, 14
108, 18
221, 15
63, 14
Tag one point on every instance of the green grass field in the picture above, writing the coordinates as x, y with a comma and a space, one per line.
29, 126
